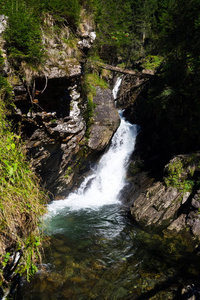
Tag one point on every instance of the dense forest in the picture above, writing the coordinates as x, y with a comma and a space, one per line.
132, 30
161, 35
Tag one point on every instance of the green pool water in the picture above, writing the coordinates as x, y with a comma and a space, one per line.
101, 254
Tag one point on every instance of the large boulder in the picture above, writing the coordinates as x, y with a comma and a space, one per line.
105, 120
173, 203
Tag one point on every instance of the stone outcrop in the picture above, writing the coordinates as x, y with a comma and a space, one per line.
86, 31
105, 120
157, 206
52, 129
176, 206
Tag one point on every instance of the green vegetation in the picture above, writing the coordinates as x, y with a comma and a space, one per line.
66, 9
90, 92
152, 62
21, 200
68, 172
23, 34
180, 173
126, 29
171, 106
174, 177
91, 81
153, 34
5, 88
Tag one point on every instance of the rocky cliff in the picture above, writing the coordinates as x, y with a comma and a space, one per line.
172, 203
50, 106
164, 186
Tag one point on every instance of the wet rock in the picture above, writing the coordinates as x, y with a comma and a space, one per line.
193, 221
105, 120
178, 224
52, 129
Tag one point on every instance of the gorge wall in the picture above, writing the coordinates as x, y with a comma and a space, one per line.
164, 184
51, 107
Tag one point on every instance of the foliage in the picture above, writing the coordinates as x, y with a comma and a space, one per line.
178, 176
25, 17
125, 29
31, 255
21, 200
67, 9
152, 62
113, 19
23, 35
68, 172
5, 88
178, 26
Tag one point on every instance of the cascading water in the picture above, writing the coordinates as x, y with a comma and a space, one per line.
108, 178
94, 252
116, 87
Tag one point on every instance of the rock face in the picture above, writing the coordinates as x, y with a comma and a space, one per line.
172, 201
53, 132
175, 204
157, 206
105, 120
50, 107
56, 140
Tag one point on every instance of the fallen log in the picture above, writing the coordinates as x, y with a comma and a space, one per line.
143, 74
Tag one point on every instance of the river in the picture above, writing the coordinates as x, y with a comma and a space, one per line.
96, 252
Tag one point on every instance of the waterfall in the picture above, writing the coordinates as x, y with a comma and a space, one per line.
103, 186
116, 87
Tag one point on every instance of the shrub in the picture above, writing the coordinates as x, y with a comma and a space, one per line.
23, 35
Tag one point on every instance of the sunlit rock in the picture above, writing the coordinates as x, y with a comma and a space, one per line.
105, 120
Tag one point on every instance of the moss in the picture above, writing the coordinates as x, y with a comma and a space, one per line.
180, 174
71, 41
68, 172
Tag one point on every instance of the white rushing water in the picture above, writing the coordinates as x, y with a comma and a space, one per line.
116, 87
108, 177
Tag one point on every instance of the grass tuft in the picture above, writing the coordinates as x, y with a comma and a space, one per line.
21, 201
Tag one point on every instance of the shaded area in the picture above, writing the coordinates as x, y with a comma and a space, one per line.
97, 255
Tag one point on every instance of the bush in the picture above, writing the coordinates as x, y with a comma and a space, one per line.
23, 35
